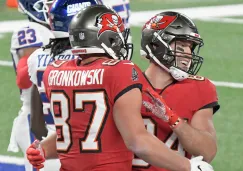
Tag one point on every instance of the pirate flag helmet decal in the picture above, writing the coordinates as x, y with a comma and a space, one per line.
159, 22
110, 21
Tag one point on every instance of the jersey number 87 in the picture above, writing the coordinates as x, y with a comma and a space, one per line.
60, 107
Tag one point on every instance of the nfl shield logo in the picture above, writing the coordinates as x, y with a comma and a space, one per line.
81, 36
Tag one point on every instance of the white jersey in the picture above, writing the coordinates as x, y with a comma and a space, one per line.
30, 35
122, 7
37, 64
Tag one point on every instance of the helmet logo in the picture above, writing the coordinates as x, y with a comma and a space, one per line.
115, 19
81, 36
159, 22
110, 22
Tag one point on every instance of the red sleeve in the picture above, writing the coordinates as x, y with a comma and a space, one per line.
124, 77
208, 95
23, 79
45, 81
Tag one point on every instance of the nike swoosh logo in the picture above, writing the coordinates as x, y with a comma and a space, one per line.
199, 167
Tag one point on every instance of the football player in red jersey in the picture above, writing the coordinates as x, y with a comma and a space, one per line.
171, 42
96, 102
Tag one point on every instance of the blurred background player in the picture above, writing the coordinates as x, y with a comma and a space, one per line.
26, 40
171, 42
122, 7
58, 49
93, 108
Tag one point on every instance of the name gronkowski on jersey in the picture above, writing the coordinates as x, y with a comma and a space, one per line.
30, 35
82, 100
185, 98
37, 63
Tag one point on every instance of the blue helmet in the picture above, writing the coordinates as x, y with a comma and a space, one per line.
36, 10
62, 12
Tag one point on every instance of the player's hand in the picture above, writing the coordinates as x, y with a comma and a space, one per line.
36, 155
159, 108
198, 165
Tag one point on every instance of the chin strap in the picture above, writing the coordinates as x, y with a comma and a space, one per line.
178, 74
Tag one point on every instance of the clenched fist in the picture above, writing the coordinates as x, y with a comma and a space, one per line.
36, 155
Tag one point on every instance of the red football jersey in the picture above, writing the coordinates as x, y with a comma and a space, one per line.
82, 100
185, 98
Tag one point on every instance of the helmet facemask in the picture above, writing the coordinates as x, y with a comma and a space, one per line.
42, 6
119, 48
187, 62
128, 46
174, 59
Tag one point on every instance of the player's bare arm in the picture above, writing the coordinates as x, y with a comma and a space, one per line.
26, 51
49, 146
198, 137
130, 124
201, 133
37, 124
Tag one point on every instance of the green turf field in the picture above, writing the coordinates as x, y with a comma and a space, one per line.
223, 62
138, 5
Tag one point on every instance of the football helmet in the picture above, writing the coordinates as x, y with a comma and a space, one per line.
160, 31
62, 12
99, 29
36, 10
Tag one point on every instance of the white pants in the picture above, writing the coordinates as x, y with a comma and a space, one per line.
22, 137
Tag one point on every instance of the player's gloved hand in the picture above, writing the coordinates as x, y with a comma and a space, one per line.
36, 155
159, 108
198, 165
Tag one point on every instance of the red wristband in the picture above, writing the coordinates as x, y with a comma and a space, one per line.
176, 124
175, 120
